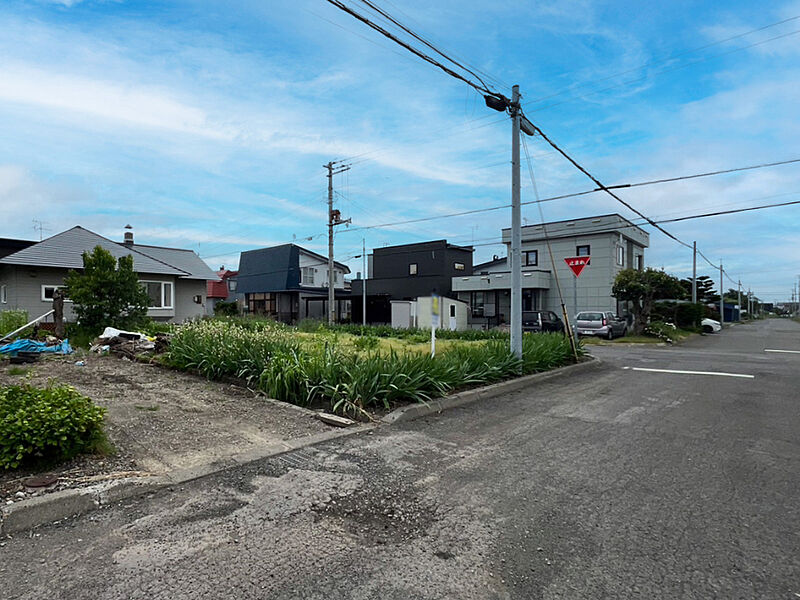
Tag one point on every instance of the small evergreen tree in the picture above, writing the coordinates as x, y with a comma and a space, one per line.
642, 289
107, 292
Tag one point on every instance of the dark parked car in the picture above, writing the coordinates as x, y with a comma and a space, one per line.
541, 320
605, 324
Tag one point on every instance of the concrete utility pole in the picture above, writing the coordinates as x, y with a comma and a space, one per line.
333, 220
694, 272
364, 281
740, 300
721, 296
516, 229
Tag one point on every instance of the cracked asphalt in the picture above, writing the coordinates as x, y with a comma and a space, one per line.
616, 483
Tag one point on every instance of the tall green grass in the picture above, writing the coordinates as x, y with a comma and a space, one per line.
11, 320
320, 371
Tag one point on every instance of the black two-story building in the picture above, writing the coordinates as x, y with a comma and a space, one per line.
407, 272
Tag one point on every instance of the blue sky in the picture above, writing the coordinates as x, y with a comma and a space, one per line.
206, 124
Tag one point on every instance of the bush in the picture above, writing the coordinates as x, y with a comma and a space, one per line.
11, 320
226, 309
54, 423
662, 331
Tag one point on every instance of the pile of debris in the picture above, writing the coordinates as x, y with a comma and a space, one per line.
129, 344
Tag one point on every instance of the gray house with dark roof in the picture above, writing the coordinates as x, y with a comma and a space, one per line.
175, 279
290, 283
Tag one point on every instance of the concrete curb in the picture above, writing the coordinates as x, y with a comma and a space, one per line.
416, 411
57, 506
63, 504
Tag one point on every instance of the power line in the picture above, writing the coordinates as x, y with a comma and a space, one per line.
427, 58
577, 194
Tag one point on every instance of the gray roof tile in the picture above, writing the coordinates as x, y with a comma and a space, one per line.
65, 250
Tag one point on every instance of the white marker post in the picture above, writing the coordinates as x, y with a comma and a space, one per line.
435, 312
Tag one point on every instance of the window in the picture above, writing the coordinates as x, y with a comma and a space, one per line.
262, 304
160, 293
335, 277
477, 300
232, 285
531, 258
458, 266
307, 275
3, 294
47, 292
621, 255
639, 262
412, 269
583, 251
452, 310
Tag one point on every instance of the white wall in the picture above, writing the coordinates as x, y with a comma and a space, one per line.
321, 275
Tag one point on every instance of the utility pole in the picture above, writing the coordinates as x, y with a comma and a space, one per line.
364, 281
740, 299
694, 272
721, 297
334, 218
516, 229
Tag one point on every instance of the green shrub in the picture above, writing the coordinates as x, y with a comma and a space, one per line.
54, 423
11, 320
226, 309
688, 316
662, 331
367, 342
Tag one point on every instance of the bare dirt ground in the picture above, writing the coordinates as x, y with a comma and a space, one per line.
158, 420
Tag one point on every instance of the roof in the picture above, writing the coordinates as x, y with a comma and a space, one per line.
185, 260
65, 250
582, 227
275, 269
10, 245
489, 263
421, 246
219, 289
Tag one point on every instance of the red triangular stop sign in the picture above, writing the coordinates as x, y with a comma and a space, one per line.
577, 264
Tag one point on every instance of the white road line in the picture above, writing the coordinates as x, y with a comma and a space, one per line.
786, 351
690, 372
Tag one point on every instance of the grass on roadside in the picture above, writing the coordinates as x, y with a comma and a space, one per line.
342, 370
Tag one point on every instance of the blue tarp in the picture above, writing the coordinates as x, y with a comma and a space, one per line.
33, 346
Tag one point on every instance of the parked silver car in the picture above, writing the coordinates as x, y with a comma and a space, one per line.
604, 324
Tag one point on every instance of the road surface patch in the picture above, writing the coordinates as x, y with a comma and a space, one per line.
720, 374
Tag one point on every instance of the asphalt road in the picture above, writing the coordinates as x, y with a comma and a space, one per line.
620, 483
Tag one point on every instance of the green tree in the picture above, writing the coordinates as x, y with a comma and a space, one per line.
107, 292
706, 294
642, 289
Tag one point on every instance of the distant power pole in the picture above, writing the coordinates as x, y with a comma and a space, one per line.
740, 299
516, 230
721, 296
334, 218
694, 272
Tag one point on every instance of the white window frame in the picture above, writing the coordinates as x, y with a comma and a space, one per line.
163, 284
620, 255
459, 266
413, 268
304, 280
3, 294
55, 287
